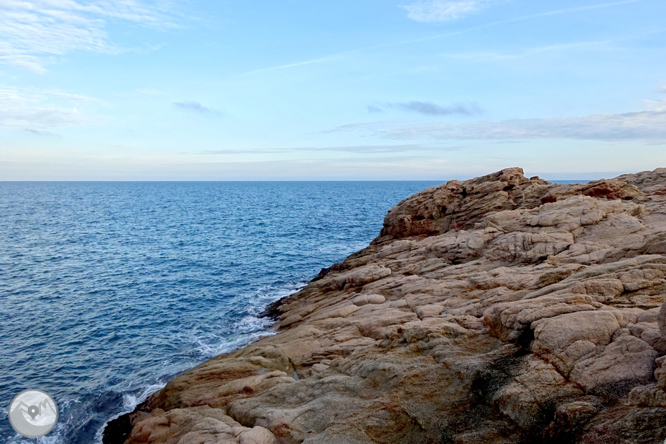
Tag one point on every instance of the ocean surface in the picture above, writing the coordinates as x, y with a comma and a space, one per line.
108, 289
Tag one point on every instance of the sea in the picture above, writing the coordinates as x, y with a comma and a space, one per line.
109, 289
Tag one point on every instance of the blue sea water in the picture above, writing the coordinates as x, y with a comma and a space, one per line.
108, 289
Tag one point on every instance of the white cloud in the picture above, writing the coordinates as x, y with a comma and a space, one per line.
34, 30
656, 105
353, 149
643, 125
196, 107
476, 56
429, 108
443, 10
318, 60
37, 110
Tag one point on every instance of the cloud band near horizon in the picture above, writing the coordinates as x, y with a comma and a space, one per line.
641, 125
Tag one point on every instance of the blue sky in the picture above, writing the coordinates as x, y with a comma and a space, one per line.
344, 90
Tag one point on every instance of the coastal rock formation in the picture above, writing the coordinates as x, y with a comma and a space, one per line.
500, 309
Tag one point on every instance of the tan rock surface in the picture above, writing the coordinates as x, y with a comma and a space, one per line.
496, 310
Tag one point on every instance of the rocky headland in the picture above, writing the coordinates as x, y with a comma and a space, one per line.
500, 309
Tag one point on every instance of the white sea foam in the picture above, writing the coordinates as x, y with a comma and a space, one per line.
251, 324
210, 349
56, 436
246, 330
130, 401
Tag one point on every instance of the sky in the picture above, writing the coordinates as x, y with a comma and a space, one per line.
330, 90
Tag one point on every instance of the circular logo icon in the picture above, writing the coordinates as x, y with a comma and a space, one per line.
33, 413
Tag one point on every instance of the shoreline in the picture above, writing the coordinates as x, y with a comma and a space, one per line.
499, 309
150, 390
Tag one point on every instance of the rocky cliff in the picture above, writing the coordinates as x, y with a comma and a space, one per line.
496, 310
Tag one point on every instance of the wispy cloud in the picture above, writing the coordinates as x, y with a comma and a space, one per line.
429, 108
655, 105
662, 89
195, 107
436, 8
314, 61
516, 19
34, 31
444, 10
36, 110
355, 149
571, 10
498, 56
386, 149
40, 133
642, 125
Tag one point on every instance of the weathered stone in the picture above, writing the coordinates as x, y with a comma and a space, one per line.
623, 364
565, 339
498, 309
661, 320
365, 299
257, 435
